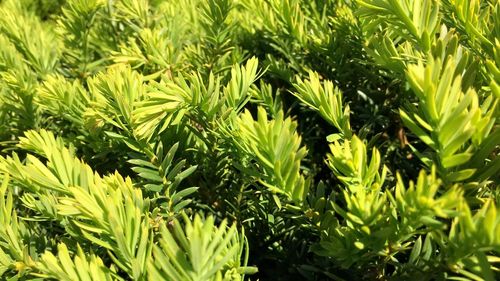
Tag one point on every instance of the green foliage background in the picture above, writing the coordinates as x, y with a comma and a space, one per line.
249, 139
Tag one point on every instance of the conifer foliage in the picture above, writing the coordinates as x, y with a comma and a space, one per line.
249, 140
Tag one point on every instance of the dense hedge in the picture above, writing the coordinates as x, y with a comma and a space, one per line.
249, 139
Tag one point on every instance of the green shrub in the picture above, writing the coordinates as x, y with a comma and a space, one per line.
249, 139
